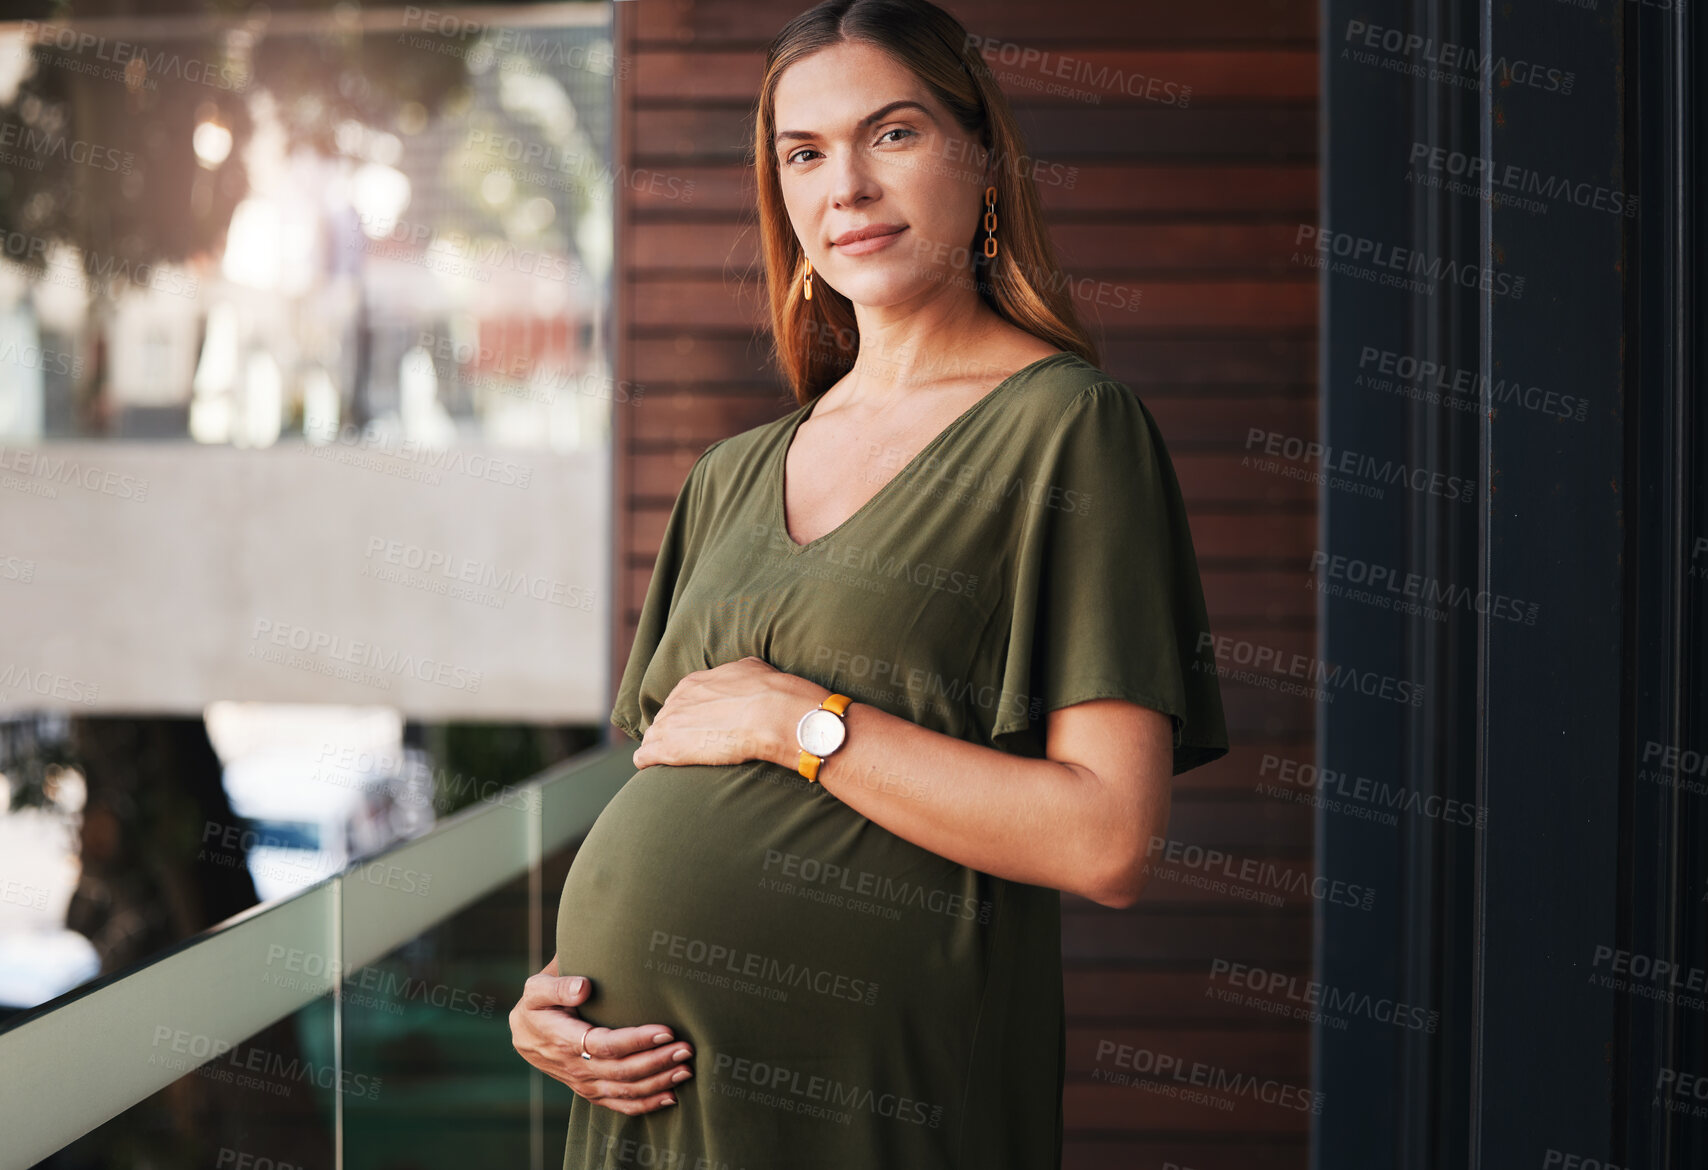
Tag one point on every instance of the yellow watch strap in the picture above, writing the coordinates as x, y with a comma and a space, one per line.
809, 764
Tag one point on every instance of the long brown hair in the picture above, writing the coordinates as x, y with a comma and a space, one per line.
815, 342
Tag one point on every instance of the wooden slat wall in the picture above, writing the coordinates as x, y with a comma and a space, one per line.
1195, 207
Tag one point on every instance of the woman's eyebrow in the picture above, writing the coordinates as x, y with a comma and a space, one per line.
875, 116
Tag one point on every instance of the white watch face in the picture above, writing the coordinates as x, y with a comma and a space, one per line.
821, 732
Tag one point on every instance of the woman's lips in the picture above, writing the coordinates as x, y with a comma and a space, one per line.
869, 244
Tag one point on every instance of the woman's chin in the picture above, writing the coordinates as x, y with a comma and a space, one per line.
884, 290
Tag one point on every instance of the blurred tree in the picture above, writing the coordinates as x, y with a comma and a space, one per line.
108, 123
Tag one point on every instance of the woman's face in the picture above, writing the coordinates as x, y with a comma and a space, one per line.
862, 144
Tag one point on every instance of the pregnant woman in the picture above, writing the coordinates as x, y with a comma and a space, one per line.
915, 658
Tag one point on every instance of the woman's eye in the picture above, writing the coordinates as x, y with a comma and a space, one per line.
897, 130
797, 154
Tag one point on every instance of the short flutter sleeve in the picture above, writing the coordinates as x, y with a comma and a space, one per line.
676, 552
1107, 602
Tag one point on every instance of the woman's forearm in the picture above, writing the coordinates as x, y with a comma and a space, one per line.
1039, 821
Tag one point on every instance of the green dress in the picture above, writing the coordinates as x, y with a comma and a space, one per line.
855, 1001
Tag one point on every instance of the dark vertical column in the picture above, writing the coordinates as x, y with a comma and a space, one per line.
1560, 501
1397, 579
1560, 936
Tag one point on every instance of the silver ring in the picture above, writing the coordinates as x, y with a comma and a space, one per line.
584, 1055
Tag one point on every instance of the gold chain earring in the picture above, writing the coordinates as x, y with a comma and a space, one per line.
990, 221
807, 284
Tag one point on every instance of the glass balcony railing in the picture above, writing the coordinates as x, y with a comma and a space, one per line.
359, 1022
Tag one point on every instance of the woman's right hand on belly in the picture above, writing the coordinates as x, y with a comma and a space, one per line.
632, 1070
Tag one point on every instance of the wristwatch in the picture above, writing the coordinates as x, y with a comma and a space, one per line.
820, 732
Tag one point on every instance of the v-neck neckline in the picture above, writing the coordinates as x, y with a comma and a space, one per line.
779, 507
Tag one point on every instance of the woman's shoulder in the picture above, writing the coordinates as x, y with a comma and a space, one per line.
729, 455
1065, 383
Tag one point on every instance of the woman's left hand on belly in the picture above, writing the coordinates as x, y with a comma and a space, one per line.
727, 715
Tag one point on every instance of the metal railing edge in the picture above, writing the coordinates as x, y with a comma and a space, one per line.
58, 1075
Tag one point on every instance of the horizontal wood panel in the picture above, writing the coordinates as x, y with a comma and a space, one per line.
1092, 1105
1262, 937
1251, 828
1262, 760
1059, 138
1259, 712
1279, 1053
1159, 1151
702, 191
1175, 999
1083, 23
1026, 73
